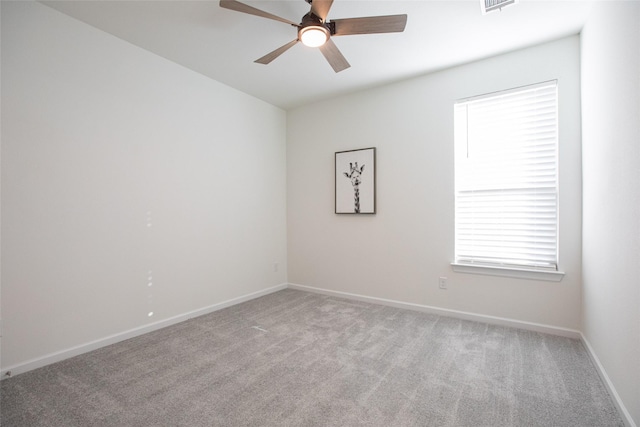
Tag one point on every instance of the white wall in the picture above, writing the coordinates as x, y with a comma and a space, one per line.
611, 174
0, 197
400, 252
99, 139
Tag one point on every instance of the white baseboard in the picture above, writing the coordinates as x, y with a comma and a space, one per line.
530, 326
626, 416
112, 339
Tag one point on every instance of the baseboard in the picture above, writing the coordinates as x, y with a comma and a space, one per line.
626, 416
112, 339
530, 326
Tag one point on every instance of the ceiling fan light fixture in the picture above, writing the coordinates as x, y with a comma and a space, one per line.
314, 35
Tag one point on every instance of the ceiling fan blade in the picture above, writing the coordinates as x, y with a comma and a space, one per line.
320, 8
370, 25
245, 8
273, 55
334, 56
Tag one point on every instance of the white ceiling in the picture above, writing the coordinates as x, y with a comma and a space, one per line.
223, 44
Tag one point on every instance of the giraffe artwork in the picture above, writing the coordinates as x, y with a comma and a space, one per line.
355, 175
355, 179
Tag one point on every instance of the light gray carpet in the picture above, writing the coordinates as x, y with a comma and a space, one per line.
299, 359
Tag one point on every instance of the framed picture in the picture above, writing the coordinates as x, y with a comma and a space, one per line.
355, 177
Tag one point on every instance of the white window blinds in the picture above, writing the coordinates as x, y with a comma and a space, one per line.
506, 209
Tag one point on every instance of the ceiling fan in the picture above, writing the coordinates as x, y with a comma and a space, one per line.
315, 31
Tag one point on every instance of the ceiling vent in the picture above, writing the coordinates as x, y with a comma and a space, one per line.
491, 5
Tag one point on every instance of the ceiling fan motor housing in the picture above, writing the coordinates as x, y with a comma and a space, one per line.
311, 19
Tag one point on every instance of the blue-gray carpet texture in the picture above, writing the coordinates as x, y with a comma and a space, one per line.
295, 358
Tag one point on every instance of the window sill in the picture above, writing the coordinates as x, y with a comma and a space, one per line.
519, 273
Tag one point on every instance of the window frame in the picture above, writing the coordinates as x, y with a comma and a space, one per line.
499, 268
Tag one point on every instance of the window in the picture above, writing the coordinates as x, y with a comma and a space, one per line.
506, 187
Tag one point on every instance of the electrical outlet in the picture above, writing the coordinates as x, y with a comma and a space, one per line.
442, 282
275, 267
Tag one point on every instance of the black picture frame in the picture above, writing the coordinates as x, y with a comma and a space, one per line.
355, 181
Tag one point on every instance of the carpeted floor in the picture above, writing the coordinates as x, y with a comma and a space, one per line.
294, 358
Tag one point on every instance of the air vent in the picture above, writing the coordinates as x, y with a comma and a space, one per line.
491, 5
